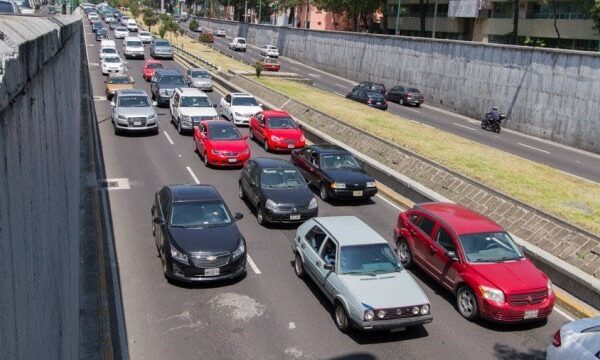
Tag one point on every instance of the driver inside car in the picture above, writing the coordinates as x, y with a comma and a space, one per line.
329, 254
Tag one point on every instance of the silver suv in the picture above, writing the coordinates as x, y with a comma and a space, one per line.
132, 110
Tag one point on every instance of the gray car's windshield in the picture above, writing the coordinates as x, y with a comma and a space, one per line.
224, 133
190, 214
120, 80
368, 259
133, 101
338, 162
195, 101
109, 51
244, 101
200, 74
281, 179
490, 247
162, 43
281, 123
172, 79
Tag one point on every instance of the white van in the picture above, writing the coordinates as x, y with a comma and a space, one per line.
132, 25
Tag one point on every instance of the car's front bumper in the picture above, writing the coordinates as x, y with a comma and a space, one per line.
290, 216
203, 86
506, 313
347, 194
129, 125
163, 99
240, 120
226, 161
391, 324
190, 273
136, 54
286, 146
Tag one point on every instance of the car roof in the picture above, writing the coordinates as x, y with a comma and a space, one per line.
193, 192
461, 219
241, 94
328, 149
191, 91
197, 69
272, 162
132, 92
167, 71
350, 230
269, 113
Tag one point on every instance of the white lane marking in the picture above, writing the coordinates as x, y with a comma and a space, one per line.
189, 169
340, 85
294, 68
465, 126
567, 316
117, 184
168, 138
291, 325
91, 45
94, 64
416, 122
426, 125
413, 110
389, 202
100, 98
534, 148
253, 265
338, 94
314, 75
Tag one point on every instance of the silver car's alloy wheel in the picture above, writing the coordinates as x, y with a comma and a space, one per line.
404, 254
341, 320
298, 266
466, 303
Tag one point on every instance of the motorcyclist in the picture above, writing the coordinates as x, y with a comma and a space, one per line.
494, 114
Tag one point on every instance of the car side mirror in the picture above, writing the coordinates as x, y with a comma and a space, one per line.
112, 103
245, 136
330, 267
238, 216
523, 249
299, 126
452, 255
159, 221
260, 105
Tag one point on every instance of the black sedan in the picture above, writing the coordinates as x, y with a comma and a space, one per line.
277, 191
196, 236
97, 25
101, 34
405, 95
334, 171
369, 97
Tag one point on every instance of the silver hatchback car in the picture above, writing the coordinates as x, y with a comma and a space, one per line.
359, 273
132, 110
199, 78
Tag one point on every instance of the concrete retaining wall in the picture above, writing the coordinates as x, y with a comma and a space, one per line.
40, 62
552, 94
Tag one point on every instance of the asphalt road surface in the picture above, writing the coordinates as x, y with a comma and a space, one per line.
270, 314
568, 159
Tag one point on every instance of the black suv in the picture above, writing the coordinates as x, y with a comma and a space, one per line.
163, 85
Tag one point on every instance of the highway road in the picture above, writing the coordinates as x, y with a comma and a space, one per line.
568, 159
270, 314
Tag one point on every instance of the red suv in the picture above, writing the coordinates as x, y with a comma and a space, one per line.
477, 260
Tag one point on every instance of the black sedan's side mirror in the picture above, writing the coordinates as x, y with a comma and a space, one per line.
159, 220
238, 216
452, 255
329, 267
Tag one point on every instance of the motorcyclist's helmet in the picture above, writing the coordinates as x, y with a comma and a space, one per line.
495, 108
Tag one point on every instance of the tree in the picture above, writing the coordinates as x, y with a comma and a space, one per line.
134, 8
150, 19
193, 25
515, 32
595, 10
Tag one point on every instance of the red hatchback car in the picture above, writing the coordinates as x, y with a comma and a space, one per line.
276, 130
149, 67
477, 260
220, 143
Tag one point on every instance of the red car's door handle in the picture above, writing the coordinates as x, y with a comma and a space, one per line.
432, 249
413, 232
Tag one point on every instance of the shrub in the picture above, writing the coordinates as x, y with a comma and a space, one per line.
259, 68
194, 25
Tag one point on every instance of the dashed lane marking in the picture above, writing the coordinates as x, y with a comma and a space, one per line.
314, 75
253, 265
465, 126
189, 169
169, 139
100, 98
389, 202
340, 85
534, 148
116, 184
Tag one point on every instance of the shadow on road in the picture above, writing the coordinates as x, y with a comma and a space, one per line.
505, 352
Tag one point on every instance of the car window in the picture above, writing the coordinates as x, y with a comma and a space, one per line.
172, 79
163, 197
248, 168
200, 74
135, 43
228, 98
368, 259
281, 179
224, 133
133, 101
489, 247
315, 237
244, 101
314, 159
154, 66
195, 101
190, 214
120, 80
281, 123
328, 253
426, 225
338, 161
355, 91
445, 240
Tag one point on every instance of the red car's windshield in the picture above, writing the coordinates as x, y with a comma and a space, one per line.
490, 247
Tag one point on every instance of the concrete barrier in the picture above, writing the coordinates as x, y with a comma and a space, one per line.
551, 94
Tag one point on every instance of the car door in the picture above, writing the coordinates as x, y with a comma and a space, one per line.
421, 235
362, 96
254, 186
328, 254
354, 95
174, 105
163, 208
444, 267
154, 85
245, 178
201, 138
392, 95
225, 106
310, 247
402, 93
314, 172
260, 130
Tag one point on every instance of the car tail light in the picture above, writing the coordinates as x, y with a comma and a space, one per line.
556, 338
369, 100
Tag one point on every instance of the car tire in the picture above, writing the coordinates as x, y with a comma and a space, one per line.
260, 216
401, 101
341, 318
250, 135
266, 145
299, 266
418, 105
404, 253
466, 303
156, 131
205, 159
179, 129
241, 192
323, 192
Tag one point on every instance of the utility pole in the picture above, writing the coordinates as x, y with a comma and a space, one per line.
162, 6
398, 18
306, 21
434, 19
246, 11
259, 10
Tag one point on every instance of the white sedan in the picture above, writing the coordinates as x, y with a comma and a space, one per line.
269, 50
112, 64
145, 36
576, 340
239, 107
121, 32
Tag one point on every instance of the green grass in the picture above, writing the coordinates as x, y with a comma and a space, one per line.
569, 197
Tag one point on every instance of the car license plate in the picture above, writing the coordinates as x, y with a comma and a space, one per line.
232, 160
290, 146
137, 123
357, 193
212, 272
530, 314
295, 217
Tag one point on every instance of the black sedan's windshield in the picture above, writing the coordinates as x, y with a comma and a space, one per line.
172, 79
133, 101
490, 247
224, 133
199, 214
368, 259
338, 162
281, 179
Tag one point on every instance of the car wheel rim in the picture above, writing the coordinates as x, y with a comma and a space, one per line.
259, 216
323, 193
179, 126
401, 101
205, 159
465, 302
404, 253
340, 317
241, 192
266, 145
298, 266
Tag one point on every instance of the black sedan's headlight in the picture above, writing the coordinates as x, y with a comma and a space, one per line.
240, 250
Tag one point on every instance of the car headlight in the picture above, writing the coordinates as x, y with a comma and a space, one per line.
369, 314
549, 286
371, 184
216, 152
491, 294
275, 138
302, 138
121, 117
271, 205
313, 203
381, 314
240, 250
151, 117
415, 310
425, 309
337, 185
246, 151
237, 114
177, 255
186, 118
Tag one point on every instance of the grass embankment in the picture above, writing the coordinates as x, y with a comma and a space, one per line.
569, 197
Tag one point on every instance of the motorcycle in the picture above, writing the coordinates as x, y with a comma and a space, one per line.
492, 124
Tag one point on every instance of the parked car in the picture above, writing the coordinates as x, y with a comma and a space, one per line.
133, 47
121, 32
270, 64
477, 260
269, 50
405, 95
96, 25
9, 7
220, 33
334, 171
220, 143
107, 51
239, 107
578, 339
149, 67
196, 236
111, 64
277, 191
359, 273
132, 111
372, 86
371, 98
145, 36
101, 34
116, 82
238, 44
189, 107
160, 48
131, 25
276, 130
163, 85
199, 78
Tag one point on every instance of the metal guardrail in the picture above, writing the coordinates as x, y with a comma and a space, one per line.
196, 57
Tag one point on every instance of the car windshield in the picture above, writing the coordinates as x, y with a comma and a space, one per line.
490, 247
200, 74
241, 41
142, 33
120, 80
154, 66
135, 43
244, 101
6, 7
112, 59
375, 95
161, 43
109, 51
121, 29
413, 90
224, 133
281, 123
133, 101
270, 61
192, 214
195, 101
172, 79
368, 260
338, 162
281, 179
378, 87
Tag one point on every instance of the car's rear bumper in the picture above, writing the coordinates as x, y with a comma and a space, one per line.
392, 324
380, 107
163, 55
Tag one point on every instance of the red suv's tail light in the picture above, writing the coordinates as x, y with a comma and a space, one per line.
556, 338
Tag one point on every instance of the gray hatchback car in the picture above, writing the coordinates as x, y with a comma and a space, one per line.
199, 78
359, 273
132, 110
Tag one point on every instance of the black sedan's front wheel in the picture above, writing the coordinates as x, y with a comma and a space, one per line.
323, 192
